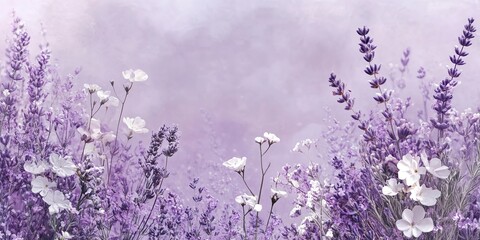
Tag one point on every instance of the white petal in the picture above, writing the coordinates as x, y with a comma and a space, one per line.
408, 233
402, 225
416, 232
388, 191
257, 207
418, 213
425, 225
407, 215
239, 199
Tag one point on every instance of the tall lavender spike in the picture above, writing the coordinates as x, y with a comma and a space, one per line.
383, 96
340, 90
444, 92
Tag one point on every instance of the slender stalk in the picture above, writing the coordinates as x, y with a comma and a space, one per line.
261, 185
116, 132
269, 216
243, 221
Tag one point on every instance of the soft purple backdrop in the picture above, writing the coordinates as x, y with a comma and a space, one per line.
226, 71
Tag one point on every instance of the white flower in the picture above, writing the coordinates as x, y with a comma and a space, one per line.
250, 201
414, 222
434, 166
42, 185
57, 202
271, 138
65, 235
6, 92
62, 166
135, 75
236, 164
103, 94
108, 137
409, 169
95, 129
392, 188
136, 125
259, 140
426, 196
112, 102
36, 167
92, 88
107, 100
278, 193
329, 233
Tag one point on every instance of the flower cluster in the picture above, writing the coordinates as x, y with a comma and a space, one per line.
69, 172
407, 183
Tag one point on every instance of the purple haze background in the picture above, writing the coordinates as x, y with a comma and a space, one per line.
226, 71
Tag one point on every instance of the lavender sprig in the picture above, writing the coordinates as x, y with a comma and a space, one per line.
368, 49
340, 90
444, 92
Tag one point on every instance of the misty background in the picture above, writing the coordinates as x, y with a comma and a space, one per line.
227, 71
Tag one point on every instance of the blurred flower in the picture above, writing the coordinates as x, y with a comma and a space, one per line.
271, 138
62, 166
92, 88
307, 143
414, 222
112, 102
65, 235
107, 100
236, 164
251, 201
409, 169
392, 188
103, 94
329, 233
136, 125
135, 75
35, 168
259, 140
57, 202
42, 185
434, 166
278, 193
426, 196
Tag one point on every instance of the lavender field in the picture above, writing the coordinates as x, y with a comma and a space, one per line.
310, 119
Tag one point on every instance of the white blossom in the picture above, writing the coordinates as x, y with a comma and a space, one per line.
65, 236
426, 196
271, 138
42, 185
135, 125
278, 193
259, 140
392, 188
92, 88
135, 75
434, 166
409, 169
57, 202
236, 164
414, 223
36, 167
329, 233
62, 166
250, 201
